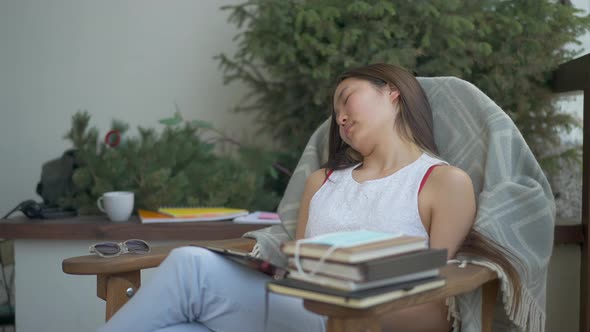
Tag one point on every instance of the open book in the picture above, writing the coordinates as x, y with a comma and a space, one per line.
246, 259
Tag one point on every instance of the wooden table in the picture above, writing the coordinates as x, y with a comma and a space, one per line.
47, 299
99, 228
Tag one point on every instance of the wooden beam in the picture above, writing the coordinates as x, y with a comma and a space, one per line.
584, 279
568, 234
573, 75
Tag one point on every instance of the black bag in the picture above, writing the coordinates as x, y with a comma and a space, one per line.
56, 178
56, 182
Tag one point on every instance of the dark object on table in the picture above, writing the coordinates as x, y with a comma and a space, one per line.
34, 210
56, 178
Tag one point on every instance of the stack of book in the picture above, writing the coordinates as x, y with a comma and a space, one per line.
360, 269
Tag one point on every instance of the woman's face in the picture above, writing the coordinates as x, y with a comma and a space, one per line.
364, 112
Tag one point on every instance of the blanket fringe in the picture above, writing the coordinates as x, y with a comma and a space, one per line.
453, 313
256, 250
528, 315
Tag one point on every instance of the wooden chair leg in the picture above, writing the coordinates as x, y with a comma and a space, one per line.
341, 319
113, 289
353, 325
489, 295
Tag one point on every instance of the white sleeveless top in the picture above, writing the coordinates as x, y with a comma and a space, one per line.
389, 204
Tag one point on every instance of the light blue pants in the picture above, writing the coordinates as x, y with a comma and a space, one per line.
197, 290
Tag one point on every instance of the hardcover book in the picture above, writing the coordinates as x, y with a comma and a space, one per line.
355, 246
355, 299
244, 258
348, 285
376, 269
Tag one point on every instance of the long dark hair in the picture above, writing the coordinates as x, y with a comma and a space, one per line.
415, 124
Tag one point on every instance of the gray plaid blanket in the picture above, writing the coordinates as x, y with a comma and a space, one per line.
515, 203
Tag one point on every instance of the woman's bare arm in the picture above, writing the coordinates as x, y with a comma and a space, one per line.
312, 185
452, 208
448, 196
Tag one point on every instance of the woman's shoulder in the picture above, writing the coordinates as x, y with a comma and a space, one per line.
318, 173
446, 175
316, 179
449, 180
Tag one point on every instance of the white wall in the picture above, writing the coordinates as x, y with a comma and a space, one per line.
130, 60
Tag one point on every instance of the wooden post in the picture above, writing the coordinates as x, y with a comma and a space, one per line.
488, 296
370, 324
584, 280
571, 76
113, 289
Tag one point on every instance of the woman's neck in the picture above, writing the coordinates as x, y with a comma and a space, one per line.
388, 158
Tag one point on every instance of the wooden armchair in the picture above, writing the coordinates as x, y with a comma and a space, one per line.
118, 278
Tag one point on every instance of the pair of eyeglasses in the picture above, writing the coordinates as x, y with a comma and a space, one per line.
114, 249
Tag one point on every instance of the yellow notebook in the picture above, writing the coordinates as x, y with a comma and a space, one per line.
204, 213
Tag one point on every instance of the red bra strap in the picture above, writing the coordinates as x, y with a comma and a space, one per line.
328, 176
426, 177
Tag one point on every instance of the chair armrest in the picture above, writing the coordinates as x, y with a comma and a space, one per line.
119, 277
94, 265
459, 281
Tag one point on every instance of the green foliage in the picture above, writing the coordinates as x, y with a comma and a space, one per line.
173, 167
289, 51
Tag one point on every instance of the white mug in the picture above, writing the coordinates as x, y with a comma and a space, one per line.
118, 205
